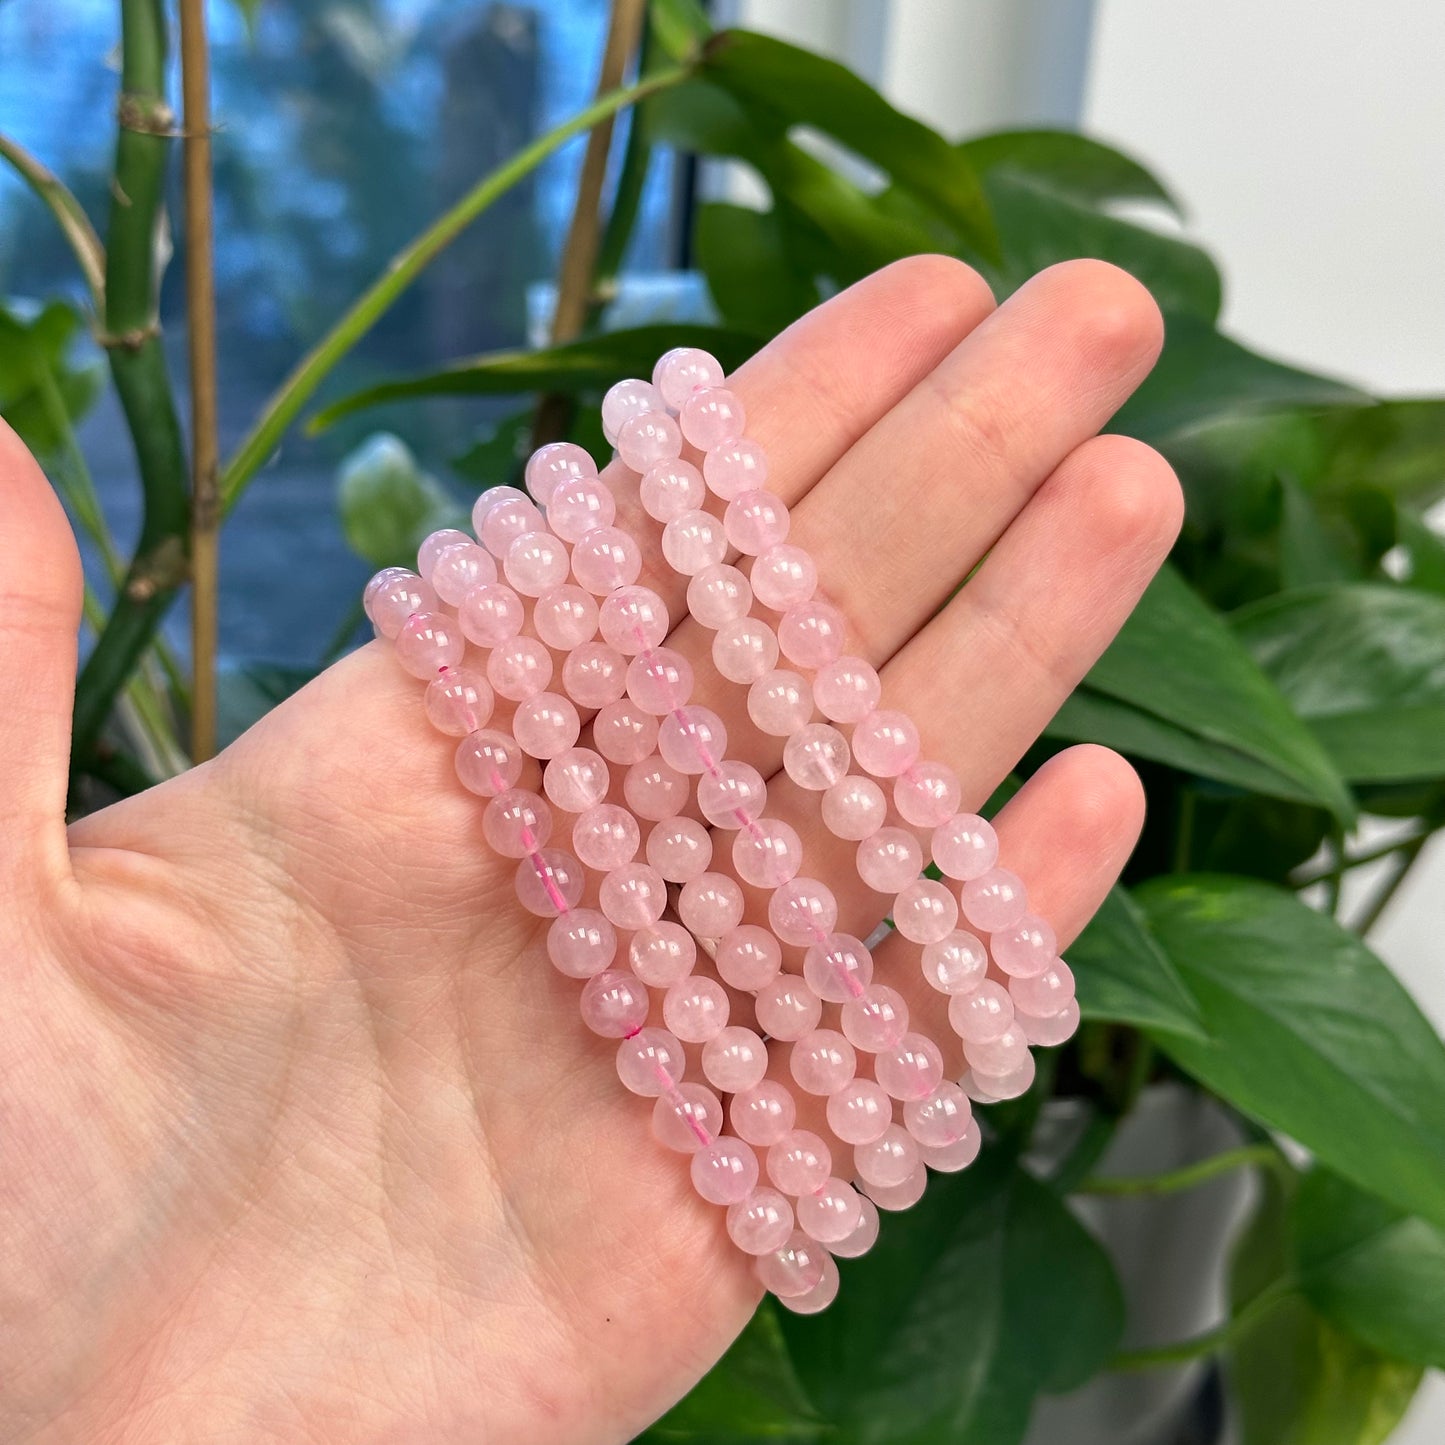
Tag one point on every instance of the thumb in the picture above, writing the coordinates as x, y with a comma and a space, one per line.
40, 596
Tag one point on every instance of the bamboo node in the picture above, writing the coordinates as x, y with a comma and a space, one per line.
130, 340
146, 115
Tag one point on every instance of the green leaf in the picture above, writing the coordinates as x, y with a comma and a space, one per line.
1398, 446
1125, 977
37, 376
1424, 550
1074, 165
1309, 1032
388, 504
499, 454
985, 1293
755, 283
1371, 1270
680, 27
1309, 553
1365, 664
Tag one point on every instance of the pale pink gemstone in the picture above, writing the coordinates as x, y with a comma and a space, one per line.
956, 964
925, 911
546, 725
735, 466
1056, 1029
679, 848
431, 548
767, 853
1042, 995
838, 968
748, 958
950, 1158
864, 1237
653, 790
726, 1172
605, 559
623, 733
492, 497
911, 1069
885, 743
803, 911
755, 521
990, 1088
692, 739
633, 619
994, 901
692, 541
579, 506
745, 649
551, 465
847, 690
710, 416
817, 1299
456, 569
734, 1059
787, 1008
429, 643
780, 702
645, 440
904, 1195
764, 1113
927, 794
681, 371
535, 563
794, 1270
710, 905
488, 762
576, 780
761, 1223
659, 680
633, 897
816, 756
671, 488
890, 860
565, 616
854, 808
876, 1021
650, 1062
964, 847
614, 1004
594, 675
783, 577
687, 1118
627, 399
939, 1119
889, 1160
1026, 949
458, 702
859, 1112
982, 1014
605, 837
822, 1061
732, 796
516, 823
506, 519
581, 943
519, 668
718, 595
811, 634
997, 1057
662, 954
491, 614
549, 883
393, 595
696, 1009
799, 1162
831, 1212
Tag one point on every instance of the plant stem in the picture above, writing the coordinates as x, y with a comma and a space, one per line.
1377, 905
1211, 1342
1184, 829
68, 213
1187, 1177
201, 337
404, 268
1358, 860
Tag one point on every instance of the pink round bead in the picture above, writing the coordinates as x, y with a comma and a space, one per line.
982, 1014
499, 520
493, 497
429, 643
634, 897
762, 1223
755, 521
1025, 949
679, 848
748, 958
734, 1059
671, 488
546, 725
803, 911
795, 1269
787, 1008
695, 1009
627, 399
997, 1056
491, 614
519, 668
694, 540
927, 794
645, 440
718, 595
565, 617
605, 559
458, 702
551, 465
964, 847
726, 1172
456, 569
393, 595
650, 1062
847, 690
516, 823
576, 780
659, 680
633, 619
594, 675
817, 1299
876, 1021
816, 756
681, 371
1043, 994
732, 796
854, 808
940, 1118
955, 964
911, 1069
710, 905
990, 1088
581, 943
653, 790
822, 1061
605, 837
885, 743
736, 466
779, 703
838, 968
1056, 1029
783, 577
623, 733
687, 1118
811, 634
580, 505
710, 416
890, 860
662, 954
994, 901
925, 911
535, 563
859, 1112
799, 1162
763, 1114
768, 853
549, 883
950, 1158
692, 739
889, 1160
488, 762
831, 1212
904, 1195
745, 649
431, 548
864, 1237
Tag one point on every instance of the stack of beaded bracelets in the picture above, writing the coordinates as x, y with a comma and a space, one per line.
682, 435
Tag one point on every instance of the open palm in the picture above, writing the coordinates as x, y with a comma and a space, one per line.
300, 1138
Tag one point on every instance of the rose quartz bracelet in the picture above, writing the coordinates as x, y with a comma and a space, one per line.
549, 593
